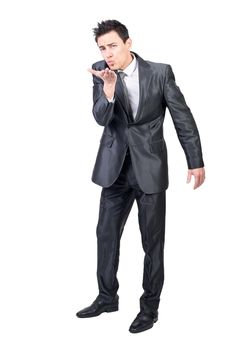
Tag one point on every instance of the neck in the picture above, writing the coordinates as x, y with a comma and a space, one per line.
128, 61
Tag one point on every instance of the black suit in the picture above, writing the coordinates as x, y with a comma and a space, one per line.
144, 135
132, 164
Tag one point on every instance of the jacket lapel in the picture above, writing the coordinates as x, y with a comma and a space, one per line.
145, 77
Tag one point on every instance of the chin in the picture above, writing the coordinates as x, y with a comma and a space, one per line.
112, 66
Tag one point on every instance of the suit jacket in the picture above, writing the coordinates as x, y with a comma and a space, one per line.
144, 134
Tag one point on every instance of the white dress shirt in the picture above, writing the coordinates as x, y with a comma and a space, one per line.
132, 83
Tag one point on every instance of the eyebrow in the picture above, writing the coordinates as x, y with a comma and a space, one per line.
107, 45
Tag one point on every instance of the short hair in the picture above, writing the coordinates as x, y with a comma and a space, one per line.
107, 26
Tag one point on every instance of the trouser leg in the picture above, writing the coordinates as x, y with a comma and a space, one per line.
151, 215
115, 205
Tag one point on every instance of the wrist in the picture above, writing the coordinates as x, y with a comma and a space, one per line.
109, 91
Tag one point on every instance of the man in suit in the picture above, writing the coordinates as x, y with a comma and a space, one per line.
130, 96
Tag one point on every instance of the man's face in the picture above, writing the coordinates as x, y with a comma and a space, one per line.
115, 52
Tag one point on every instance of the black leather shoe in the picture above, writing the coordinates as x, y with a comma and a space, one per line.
143, 322
99, 306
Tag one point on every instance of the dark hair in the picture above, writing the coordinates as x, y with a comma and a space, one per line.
109, 25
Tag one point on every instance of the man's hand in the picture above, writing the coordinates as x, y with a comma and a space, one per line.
109, 77
199, 175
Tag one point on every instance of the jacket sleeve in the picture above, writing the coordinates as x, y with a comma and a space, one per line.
103, 110
183, 120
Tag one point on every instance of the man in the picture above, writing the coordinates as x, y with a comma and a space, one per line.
130, 97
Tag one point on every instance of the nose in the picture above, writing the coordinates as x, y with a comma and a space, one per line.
108, 53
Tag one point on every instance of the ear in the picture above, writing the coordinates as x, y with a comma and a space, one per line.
128, 43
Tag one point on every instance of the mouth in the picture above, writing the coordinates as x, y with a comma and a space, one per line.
110, 63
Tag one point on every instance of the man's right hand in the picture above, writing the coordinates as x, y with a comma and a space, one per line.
109, 77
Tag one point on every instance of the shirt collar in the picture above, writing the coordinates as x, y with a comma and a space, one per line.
131, 67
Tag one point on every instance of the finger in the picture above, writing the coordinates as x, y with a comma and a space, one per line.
200, 178
106, 72
109, 71
112, 73
91, 70
189, 177
97, 73
197, 182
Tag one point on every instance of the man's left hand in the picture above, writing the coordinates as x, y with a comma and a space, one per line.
199, 176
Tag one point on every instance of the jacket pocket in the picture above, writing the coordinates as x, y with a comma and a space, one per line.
106, 140
156, 146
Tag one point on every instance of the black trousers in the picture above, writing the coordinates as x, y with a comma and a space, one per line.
115, 205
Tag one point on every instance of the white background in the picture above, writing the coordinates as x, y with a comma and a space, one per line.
49, 205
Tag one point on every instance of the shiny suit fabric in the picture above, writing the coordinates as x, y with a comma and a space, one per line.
144, 134
115, 205
131, 164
